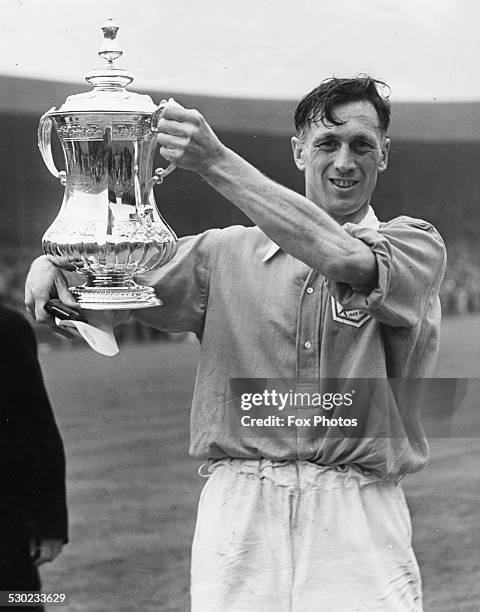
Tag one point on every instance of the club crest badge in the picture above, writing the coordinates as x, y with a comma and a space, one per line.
354, 317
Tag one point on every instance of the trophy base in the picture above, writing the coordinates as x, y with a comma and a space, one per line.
115, 298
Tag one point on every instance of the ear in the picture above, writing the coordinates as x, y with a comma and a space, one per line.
382, 166
297, 148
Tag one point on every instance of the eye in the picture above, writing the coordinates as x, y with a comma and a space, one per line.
362, 146
326, 145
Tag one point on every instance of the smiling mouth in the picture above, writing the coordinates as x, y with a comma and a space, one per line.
343, 183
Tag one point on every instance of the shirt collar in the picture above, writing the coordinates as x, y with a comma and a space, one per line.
369, 220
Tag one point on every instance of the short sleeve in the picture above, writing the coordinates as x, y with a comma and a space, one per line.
411, 260
182, 285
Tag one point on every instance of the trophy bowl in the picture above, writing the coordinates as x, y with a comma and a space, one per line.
109, 226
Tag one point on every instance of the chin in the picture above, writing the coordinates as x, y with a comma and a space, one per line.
341, 210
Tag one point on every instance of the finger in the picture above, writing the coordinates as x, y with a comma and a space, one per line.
175, 112
33, 546
172, 109
39, 287
46, 553
57, 549
170, 154
175, 128
51, 552
65, 263
63, 292
43, 557
39, 312
172, 142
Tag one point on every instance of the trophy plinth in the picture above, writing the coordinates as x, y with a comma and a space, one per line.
108, 226
111, 297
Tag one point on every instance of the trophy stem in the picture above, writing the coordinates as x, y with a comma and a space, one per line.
110, 279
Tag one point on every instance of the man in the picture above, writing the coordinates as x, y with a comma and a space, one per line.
318, 291
33, 514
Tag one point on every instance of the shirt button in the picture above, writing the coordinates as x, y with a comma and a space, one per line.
308, 344
309, 289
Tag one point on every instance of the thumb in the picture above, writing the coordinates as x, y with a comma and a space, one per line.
170, 109
173, 103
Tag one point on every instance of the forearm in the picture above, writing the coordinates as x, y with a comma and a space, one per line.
295, 223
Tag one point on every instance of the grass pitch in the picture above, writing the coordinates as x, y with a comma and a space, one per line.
133, 489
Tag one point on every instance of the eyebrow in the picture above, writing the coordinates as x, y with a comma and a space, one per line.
331, 136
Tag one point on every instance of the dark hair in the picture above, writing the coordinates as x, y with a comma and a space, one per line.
320, 103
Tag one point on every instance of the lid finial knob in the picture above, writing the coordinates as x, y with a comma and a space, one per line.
109, 76
110, 50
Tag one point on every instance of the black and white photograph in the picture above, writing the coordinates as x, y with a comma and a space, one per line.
240, 306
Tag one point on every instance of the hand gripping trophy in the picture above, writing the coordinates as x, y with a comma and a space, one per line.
108, 226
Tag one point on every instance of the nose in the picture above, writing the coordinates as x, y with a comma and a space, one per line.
344, 162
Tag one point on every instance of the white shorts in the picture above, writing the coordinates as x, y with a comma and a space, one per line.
297, 537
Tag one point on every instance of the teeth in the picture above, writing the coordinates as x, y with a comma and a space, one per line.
343, 183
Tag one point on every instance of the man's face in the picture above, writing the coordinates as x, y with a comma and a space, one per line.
341, 162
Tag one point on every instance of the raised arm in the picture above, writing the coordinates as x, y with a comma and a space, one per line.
296, 224
340, 170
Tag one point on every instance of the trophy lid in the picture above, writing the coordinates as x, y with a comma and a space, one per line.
109, 82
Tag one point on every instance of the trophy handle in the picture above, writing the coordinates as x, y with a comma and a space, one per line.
44, 144
160, 173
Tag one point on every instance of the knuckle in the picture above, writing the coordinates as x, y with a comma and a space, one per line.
196, 117
190, 132
170, 154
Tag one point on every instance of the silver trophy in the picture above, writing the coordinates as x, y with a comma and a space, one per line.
108, 226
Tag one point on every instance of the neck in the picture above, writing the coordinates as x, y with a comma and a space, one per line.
355, 217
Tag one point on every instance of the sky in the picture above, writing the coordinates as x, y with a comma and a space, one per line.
427, 50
